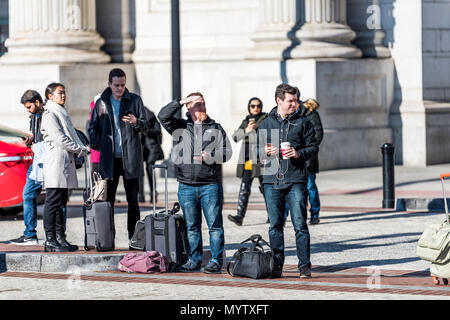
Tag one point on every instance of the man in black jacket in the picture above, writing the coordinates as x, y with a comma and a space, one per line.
117, 120
201, 147
285, 174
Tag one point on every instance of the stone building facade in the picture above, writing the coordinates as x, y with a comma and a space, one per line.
379, 68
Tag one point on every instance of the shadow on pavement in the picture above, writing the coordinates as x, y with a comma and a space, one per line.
396, 185
382, 215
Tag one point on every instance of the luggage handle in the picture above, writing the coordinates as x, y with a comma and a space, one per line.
444, 197
444, 175
175, 209
87, 177
256, 239
166, 196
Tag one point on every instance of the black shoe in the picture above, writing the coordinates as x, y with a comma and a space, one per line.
25, 241
314, 220
190, 266
213, 266
236, 219
305, 272
53, 246
64, 244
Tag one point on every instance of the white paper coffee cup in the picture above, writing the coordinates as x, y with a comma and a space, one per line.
284, 146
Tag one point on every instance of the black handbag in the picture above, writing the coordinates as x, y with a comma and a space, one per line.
254, 262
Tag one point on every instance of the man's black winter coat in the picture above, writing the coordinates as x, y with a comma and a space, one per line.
101, 135
300, 133
210, 137
312, 165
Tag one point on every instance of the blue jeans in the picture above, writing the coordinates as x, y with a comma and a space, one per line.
30, 192
313, 194
209, 198
296, 197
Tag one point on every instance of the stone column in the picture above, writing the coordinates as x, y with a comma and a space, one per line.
277, 18
325, 33
53, 31
364, 16
116, 26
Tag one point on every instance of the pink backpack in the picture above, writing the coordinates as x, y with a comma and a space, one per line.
143, 262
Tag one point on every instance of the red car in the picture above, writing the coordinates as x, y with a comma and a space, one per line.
15, 159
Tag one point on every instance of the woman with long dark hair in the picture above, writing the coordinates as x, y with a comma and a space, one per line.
61, 144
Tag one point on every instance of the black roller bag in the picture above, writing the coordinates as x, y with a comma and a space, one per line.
165, 231
98, 219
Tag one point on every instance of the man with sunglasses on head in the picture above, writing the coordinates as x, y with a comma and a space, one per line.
201, 146
248, 168
34, 104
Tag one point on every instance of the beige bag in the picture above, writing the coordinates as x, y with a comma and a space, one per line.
434, 244
98, 192
440, 270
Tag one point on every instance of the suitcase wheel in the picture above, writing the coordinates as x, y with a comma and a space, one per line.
435, 280
445, 281
172, 267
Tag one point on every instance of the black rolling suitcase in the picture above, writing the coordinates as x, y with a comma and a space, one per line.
165, 231
98, 219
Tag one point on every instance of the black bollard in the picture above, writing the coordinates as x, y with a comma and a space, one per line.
388, 150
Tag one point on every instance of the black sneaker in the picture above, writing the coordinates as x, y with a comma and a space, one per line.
305, 272
213, 266
314, 220
25, 241
190, 266
236, 219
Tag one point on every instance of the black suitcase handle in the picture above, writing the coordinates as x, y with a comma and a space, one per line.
166, 193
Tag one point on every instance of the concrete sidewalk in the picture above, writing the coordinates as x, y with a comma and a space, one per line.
355, 242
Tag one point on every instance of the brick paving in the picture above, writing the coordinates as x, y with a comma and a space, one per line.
324, 278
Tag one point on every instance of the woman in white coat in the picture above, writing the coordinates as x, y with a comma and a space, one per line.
61, 144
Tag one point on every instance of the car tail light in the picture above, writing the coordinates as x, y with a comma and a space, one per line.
11, 160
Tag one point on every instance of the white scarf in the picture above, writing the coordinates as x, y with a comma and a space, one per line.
64, 118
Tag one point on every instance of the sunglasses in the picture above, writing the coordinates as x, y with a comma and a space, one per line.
255, 106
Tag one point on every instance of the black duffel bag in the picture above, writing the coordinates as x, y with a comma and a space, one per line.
255, 262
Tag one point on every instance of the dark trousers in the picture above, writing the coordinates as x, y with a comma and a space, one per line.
245, 191
131, 191
95, 166
55, 202
148, 170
